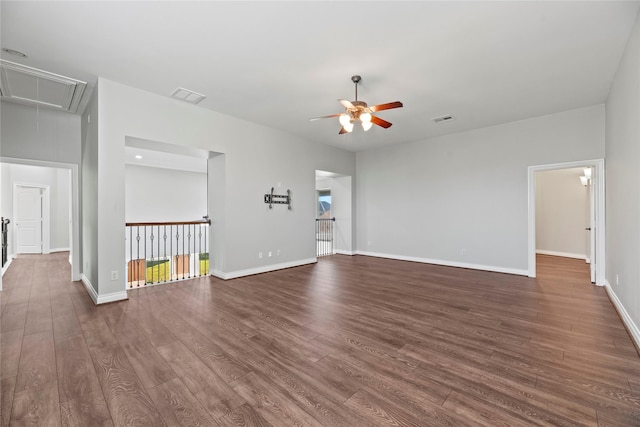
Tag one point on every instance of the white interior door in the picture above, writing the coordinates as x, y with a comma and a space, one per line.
29, 220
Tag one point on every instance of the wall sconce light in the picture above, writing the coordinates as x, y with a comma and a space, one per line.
586, 178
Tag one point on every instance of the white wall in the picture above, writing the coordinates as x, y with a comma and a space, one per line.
158, 194
562, 213
90, 207
255, 159
461, 199
341, 210
623, 185
39, 134
59, 183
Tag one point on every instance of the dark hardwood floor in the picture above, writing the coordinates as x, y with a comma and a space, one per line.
349, 341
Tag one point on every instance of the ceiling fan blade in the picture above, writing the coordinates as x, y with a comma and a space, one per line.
324, 117
345, 103
342, 131
380, 122
387, 106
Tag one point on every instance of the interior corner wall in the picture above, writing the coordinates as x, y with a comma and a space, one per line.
341, 210
562, 213
623, 186
217, 211
89, 193
256, 159
462, 199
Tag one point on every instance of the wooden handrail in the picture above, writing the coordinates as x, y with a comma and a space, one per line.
144, 224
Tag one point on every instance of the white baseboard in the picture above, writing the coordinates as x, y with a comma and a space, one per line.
448, 263
52, 250
342, 252
102, 299
562, 254
112, 297
259, 270
6, 266
624, 315
87, 284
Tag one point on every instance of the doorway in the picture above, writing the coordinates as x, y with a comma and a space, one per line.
63, 202
583, 228
324, 224
333, 217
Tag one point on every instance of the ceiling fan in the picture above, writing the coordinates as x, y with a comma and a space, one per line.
359, 111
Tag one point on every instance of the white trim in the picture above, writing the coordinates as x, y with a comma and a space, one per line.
496, 269
258, 270
89, 287
112, 297
562, 254
633, 329
6, 266
52, 250
598, 182
75, 206
343, 252
102, 299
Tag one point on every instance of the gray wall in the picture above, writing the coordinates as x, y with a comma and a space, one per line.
623, 185
89, 199
562, 213
159, 194
256, 158
40, 134
461, 199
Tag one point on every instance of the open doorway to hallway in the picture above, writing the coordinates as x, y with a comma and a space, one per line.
563, 215
566, 215
39, 209
334, 231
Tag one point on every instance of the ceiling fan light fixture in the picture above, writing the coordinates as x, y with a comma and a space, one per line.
365, 118
345, 119
348, 126
366, 126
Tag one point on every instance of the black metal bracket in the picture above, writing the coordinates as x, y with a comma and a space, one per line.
278, 199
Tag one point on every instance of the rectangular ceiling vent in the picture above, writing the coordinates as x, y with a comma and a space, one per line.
26, 85
441, 119
187, 95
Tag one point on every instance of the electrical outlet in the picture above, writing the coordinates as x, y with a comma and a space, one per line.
114, 275
278, 252
463, 251
260, 255
617, 279
270, 254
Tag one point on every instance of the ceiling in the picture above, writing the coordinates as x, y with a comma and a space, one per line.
281, 63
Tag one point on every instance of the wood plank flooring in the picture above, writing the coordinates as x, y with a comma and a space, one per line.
349, 341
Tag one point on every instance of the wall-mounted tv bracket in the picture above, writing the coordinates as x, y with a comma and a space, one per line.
278, 199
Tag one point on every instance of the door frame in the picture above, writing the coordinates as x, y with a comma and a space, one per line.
74, 255
45, 238
598, 183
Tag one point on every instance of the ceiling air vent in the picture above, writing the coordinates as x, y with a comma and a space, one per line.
441, 119
26, 85
187, 95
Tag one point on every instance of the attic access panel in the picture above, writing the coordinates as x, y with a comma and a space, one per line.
26, 85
